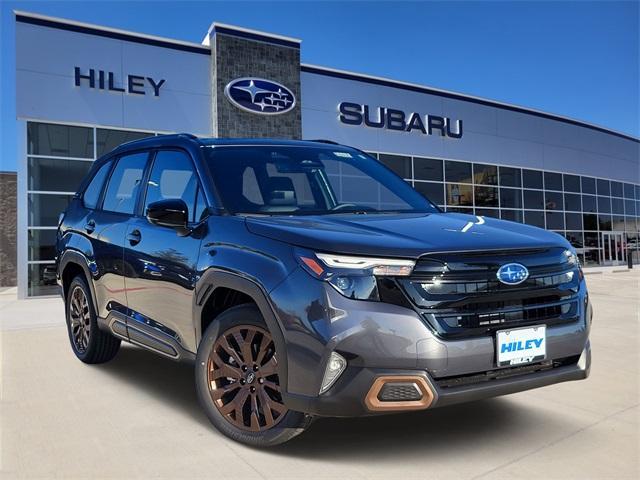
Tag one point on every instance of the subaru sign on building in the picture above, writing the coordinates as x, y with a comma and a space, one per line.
82, 89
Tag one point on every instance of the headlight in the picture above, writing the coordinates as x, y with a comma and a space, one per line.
354, 277
574, 260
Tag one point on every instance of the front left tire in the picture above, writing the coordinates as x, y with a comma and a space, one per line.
237, 381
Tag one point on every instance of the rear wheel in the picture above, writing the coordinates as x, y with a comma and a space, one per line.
90, 344
238, 384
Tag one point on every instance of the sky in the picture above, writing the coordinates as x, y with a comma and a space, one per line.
578, 59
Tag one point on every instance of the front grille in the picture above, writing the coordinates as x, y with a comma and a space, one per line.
498, 374
460, 295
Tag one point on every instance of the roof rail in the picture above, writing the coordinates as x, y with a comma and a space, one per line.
323, 140
188, 135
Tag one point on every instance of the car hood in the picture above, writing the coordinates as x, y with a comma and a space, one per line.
401, 235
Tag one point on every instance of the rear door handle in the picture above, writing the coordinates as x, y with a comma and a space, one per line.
134, 237
90, 226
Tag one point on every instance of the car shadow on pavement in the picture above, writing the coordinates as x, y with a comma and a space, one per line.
165, 379
425, 433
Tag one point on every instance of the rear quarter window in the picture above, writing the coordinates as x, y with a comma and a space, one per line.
91, 195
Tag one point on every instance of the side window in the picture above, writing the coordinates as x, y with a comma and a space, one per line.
91, 194
124, 184
172, 176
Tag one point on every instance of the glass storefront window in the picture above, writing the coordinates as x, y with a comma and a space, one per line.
54, 175
553, 201
41, 244
533, 199
534, 218
488, 212
555, 220
510, 177
532, 179
604, 187
572, 202
552, 181
460, 210
513, 215
589, 203
588, 185
628, 190
590, 221
485, 174
617, 206
457, 171
510, 198
486, 196
428, 169
604, 204
459, 195
45, 209
41, 279
616, 189
107, 140
571, 183
604, 222
59, 140
629, 207
56, 179
573, 221
591, 248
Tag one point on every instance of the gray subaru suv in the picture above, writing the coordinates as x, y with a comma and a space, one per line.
305, 279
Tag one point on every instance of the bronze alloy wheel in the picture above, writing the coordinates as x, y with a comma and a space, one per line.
80, 319
242, 378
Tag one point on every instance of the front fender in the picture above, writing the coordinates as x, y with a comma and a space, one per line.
215, 278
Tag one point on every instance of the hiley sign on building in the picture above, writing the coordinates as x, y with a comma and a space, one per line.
102, 80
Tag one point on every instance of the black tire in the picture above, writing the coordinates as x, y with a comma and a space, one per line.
241, 320
88, 342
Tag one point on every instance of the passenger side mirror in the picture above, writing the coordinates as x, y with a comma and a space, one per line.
171, 212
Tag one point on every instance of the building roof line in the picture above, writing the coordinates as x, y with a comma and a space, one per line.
214, 25
117, 33
257, 35
349, 75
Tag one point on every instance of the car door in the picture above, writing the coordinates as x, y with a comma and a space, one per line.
160, 281
105, 225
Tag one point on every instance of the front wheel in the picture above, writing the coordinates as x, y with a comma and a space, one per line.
238, 384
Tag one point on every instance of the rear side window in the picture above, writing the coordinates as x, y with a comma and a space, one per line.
91, 195
124, 184
173, 177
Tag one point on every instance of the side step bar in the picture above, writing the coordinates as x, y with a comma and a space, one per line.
146, 336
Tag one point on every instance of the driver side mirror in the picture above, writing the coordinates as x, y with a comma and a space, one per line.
172, 212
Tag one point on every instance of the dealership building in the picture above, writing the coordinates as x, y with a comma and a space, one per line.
82, 89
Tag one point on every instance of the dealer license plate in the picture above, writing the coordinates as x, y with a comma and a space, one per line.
521, 345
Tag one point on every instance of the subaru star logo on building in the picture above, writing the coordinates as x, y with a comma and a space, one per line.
512, 273
261, 96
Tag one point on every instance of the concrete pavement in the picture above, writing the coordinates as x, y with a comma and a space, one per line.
138, 416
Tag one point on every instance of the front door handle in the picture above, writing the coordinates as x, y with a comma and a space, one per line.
134, 237
90, 226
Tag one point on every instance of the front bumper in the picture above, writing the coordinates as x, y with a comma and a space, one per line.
347, 397
380, 339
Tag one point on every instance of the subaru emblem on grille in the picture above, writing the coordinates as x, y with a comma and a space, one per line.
512, 273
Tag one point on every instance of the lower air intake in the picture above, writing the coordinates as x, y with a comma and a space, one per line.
399, 392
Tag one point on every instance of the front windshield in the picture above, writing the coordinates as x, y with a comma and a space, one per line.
303, 180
